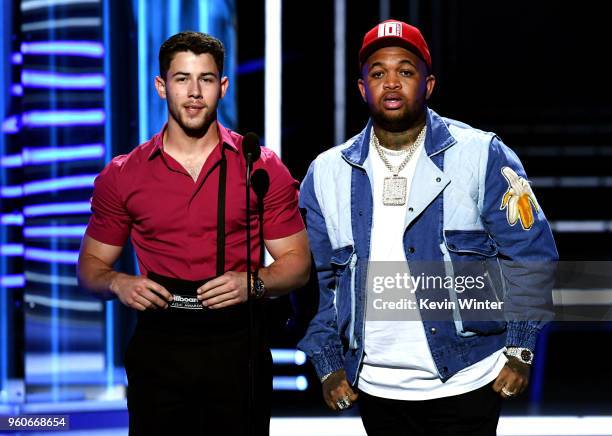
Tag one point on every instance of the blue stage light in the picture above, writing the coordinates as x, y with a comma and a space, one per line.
11, 161
51, 256
66, 48
11, 249
289, 383
11, 191
68, 153
12, 281
76, 231
10, 125
16, 90
30, 5
16, 59
80, 207
288, 356
61, 23
83, 117
143, 82
11, 219
42, 79
60, 183
37, 156
253, 66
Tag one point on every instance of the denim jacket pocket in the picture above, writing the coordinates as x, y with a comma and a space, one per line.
478, 284
466, 243
343, 265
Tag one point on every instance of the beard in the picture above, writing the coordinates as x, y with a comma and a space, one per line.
410, 115
394, 124
195, 129
398, 122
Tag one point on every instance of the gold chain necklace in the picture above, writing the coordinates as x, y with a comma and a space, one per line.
395, 187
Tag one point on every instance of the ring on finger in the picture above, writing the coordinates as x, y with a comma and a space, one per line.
343, 403
506, 392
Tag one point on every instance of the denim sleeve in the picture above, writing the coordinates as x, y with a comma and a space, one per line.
527, 252
322, 342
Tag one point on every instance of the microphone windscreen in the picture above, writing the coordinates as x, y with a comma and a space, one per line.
260, 181
250, 147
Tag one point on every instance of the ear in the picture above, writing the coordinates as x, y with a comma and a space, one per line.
362, 89
160, 86
430, 83
224, 85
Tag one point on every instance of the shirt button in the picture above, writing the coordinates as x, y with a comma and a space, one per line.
433, 330
411, 250
410, 209
438, 179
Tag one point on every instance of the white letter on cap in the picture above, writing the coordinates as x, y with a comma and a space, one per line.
389, 29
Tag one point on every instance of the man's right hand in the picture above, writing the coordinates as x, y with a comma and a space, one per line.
138, 293
336, 387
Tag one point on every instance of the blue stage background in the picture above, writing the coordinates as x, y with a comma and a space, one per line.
76, 89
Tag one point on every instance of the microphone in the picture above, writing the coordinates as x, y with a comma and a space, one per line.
250, 147
260, 180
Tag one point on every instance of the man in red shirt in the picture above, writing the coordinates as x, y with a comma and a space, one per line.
180, 197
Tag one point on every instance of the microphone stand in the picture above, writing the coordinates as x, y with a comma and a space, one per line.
251, 402
251, 151
261, 183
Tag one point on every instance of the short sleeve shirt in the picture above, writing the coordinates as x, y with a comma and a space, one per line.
172, 220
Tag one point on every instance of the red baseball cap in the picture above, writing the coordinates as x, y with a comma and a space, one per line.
394, 33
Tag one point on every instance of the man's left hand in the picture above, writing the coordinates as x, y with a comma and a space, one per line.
513, 378
223, 291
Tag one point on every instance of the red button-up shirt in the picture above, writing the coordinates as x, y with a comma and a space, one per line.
172, 220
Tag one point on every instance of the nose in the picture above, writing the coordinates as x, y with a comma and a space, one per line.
195, 89
392, 81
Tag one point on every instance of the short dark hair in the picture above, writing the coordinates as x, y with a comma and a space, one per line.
195, 42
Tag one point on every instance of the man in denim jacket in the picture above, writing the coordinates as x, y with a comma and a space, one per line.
425, 197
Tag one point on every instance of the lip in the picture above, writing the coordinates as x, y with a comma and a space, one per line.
193, 109
392, 100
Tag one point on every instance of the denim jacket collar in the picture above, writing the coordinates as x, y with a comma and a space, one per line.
438, 139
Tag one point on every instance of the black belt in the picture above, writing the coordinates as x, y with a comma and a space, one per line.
191, 321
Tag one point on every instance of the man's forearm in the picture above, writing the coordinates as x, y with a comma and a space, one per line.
285, 274
95, 276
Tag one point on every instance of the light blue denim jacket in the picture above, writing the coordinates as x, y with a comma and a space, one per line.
455, 213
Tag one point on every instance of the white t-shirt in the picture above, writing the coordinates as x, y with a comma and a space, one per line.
397, 362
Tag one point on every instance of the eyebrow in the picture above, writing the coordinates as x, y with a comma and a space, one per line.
184, 73
403, 61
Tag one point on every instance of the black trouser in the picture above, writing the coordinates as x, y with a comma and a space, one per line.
475, 413
188, 374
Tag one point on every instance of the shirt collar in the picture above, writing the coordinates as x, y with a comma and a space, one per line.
225, 137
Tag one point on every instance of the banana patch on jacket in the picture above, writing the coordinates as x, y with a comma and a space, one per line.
518, 200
